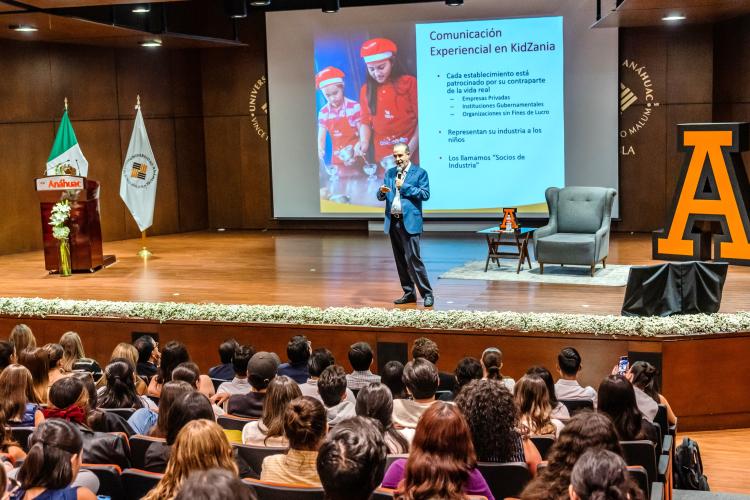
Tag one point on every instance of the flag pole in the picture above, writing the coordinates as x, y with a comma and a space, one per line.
144, 252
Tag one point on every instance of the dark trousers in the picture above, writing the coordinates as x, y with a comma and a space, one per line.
409, 263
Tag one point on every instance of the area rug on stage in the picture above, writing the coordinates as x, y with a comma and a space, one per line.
613, 275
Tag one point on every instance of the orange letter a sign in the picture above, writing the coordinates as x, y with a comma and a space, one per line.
712, 187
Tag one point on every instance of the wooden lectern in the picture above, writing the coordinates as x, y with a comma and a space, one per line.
85, 228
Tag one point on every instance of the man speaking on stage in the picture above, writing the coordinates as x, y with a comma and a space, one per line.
404, 188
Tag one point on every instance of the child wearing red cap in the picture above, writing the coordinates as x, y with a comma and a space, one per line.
389, 103
341, 118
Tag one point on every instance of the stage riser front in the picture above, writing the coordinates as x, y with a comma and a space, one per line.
701, 377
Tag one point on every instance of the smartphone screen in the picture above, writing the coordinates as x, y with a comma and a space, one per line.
622, 367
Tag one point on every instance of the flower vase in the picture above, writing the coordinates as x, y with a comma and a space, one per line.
65, 269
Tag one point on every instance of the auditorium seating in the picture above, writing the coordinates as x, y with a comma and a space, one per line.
110, 483
125, 413
138, 446
505, 479
21, 436
543, 444
233, 422
254, 455
272, 491
137, 483
576, 405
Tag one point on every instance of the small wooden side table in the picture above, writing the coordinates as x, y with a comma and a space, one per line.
512, 244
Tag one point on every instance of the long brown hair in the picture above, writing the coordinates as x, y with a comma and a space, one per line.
200, 445
532, 399
16, 389
170, 392
442, 456
37, 361
280, 392
22, 338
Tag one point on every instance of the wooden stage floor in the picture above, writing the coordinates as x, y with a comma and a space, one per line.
320, 269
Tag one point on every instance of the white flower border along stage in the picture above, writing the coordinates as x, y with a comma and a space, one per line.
699, 324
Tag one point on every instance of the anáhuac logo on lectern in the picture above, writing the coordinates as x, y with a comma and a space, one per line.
139, 171
636, 87
258, 106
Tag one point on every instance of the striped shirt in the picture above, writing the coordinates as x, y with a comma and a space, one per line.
357, 380
350, 110
296, 467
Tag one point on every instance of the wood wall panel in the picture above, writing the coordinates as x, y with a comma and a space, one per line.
191, 174
25, 91
732, 55
689, 65
146, 73
223, 171
186, 83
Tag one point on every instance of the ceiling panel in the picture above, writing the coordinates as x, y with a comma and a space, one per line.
632, 13
59, 4
4, 7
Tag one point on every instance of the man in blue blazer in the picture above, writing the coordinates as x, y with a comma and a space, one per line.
404, 188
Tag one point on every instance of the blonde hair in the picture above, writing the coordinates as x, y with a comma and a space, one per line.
71, 343
127, 351
532, 400
22, 338
200, 445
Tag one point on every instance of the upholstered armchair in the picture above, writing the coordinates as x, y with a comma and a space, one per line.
578, 228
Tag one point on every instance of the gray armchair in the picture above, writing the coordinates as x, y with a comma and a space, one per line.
578, 228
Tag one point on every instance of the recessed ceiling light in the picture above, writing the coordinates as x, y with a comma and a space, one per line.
150, 43
454, 3
673, 17
260, 3
141, 8
23, 27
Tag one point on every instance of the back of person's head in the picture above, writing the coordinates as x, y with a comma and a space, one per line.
298, 350
73, 347
55, 354
200, 445
360, 356
305, 423
586, 430
214, 484
67, 392
545, 375
87, 379
617, 400
16, 390
7, 354
332, 385
393, 377
425, 348
442, 455
54, 457
492, 416
120, 390
375, 401
492, 361
281, 391
172, 355
261, 369
226, 350
37, 361
187, 372
125, 351
569, 361
351, 460
22, 338
170, 392
467, 369
240, 359
187, 407
532, 400
320, 359
644, 377
601, 475
145, 346
421, 378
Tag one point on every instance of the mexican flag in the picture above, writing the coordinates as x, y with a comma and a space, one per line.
66, 152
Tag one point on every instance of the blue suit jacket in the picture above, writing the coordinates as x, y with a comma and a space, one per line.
414, 190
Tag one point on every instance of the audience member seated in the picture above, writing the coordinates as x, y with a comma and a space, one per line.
68, 400
492, 363
643, 377
52, 464
360, 357
148, 356
99, 420
320, 359
200, 445
534, 407
351, 460
261, 370
305, 427
269, 429
187, 407
393, 378
22, 338
7, 445
332, 390
18, 400
298, 351
7, 354
174, 354
559, 410
375, 401
421, 380
120, 391
37, 361
467, 369
225, 370
429, 350
492, 417
147, 421
602, 475
617, 400
567, 387
74, 357
238, 384
130, 353
214, 484
584, 431
55, 355
442, 462
190, 373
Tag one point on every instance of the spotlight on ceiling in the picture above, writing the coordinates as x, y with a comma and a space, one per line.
141, 8
454, 3
260, 3
25, 28
673, 17
150, 43
330, 6
236, 9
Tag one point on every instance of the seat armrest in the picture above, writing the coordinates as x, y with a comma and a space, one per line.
666, 445
657, 491
545, 231
662, 468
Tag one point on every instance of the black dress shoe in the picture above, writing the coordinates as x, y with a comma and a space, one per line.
429, 300
406, 299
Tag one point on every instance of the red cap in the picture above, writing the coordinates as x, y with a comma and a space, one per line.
377, 49
328, 76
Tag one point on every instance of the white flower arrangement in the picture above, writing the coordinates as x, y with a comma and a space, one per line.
698, 324
58, 220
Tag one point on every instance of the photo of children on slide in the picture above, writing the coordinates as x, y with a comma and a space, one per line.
366, 97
